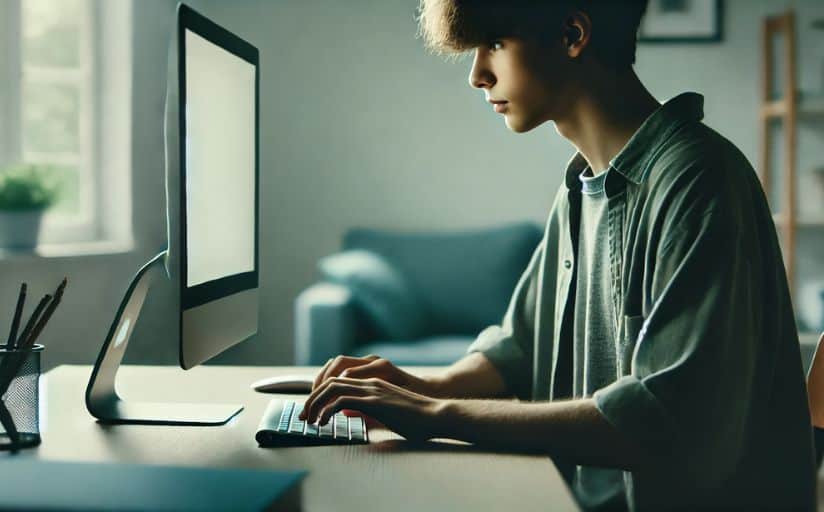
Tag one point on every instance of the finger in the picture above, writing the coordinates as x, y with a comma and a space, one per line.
329, 370
308, 404
377, 368
360, 403
311, 398
330, 392
321, 373
335, 366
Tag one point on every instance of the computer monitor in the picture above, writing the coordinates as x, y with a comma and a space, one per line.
218, 94
211, 131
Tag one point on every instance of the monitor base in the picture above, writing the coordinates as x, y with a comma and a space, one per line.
102, 399
158, 413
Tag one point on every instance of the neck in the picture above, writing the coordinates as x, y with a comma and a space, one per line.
605, 114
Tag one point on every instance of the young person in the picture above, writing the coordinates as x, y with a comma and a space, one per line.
651, 339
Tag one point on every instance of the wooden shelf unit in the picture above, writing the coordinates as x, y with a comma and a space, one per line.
804, 109
801, 222
785, 110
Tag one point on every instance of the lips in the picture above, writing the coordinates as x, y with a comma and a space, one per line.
499, 106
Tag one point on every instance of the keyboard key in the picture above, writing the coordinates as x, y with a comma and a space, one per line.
297, 425
356, 426
311, 429
285, 416
341, 426
328, 429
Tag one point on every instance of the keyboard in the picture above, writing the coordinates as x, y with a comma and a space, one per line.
280, 426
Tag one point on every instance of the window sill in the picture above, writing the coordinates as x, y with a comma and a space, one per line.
69, 250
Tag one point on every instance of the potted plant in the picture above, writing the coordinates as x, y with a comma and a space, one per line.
26, 191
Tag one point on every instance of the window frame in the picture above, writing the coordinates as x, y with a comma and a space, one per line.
102, 166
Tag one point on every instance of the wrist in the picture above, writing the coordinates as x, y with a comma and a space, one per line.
433, 386
442, 417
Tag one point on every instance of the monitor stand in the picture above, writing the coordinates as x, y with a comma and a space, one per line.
102, 399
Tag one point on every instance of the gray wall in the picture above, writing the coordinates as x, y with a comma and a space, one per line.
359, 126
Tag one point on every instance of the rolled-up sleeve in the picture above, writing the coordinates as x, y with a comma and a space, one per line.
509, 346
693, 363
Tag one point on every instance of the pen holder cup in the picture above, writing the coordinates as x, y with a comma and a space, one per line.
21, 399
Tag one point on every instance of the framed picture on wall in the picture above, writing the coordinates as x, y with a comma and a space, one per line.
682, 21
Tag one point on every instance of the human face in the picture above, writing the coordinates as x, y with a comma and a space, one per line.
526, 80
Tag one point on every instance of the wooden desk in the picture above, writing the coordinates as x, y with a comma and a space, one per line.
388, 474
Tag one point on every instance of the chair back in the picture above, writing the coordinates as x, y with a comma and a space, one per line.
815, 394
815, 385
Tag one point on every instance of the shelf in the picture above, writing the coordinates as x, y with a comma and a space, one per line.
792, 111
802, 222
807, 108
773, 109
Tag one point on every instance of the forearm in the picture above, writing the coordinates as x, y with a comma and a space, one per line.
574, 429
471, 377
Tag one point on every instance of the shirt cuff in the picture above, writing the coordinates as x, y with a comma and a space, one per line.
629, 406
507, 357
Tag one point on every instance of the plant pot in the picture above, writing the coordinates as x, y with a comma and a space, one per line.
20, 230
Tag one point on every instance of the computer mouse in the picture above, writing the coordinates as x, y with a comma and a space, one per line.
285, 384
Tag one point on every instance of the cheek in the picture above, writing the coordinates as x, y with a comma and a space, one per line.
529, 82
532, 99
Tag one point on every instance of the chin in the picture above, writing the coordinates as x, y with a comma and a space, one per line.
519, 125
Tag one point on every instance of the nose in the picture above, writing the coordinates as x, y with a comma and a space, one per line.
480, 77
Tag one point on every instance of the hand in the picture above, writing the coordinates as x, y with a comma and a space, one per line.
410, 414
373, 366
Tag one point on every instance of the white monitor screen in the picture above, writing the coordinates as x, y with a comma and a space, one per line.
220, 162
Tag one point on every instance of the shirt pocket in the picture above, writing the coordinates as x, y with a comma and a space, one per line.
629, 337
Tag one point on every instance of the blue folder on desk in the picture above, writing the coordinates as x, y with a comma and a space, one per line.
38, 485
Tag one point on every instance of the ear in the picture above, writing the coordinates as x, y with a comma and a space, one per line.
577, 33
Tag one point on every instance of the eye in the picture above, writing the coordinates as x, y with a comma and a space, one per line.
496, 45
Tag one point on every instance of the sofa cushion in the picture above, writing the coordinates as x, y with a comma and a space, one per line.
463, 280
441, 350
380, 291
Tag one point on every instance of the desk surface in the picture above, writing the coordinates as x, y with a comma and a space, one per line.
388, 474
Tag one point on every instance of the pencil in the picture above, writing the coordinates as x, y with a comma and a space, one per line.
28, 342
29, 334
32, 320
15, 323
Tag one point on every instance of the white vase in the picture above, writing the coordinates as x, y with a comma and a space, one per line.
20, 230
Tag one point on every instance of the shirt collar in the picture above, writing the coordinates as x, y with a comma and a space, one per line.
631, 162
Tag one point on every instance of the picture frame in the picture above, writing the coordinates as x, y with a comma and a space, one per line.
682, 21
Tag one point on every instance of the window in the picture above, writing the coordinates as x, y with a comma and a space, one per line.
56, 80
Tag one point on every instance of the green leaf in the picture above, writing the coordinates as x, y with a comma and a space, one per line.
28, 187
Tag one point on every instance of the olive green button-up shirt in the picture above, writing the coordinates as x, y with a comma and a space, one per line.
709, 369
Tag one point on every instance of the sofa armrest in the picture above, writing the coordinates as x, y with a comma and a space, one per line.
325, 323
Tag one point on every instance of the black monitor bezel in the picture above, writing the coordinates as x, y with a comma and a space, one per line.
189, 19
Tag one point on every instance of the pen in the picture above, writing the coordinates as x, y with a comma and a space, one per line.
28, 336
15, 323
10, 361
28, 342
32, 320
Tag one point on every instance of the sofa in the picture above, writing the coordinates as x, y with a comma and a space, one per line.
416, 298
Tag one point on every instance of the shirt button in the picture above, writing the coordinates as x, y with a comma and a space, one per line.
567, 264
